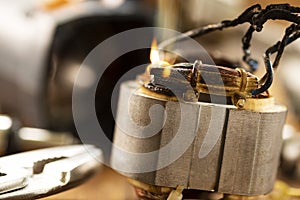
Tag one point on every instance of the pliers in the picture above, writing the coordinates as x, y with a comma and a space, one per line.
39, 173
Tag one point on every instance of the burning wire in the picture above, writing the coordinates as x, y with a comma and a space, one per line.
256, 17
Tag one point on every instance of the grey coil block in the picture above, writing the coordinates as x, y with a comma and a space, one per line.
217, 147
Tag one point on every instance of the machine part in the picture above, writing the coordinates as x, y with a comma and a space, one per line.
44, 172
150, 192
281, 191
196, 74
232, 151
147, 192
39, 59
176, 194
27, 138
202, 79
15, 138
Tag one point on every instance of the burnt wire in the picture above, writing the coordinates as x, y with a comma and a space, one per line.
256, 17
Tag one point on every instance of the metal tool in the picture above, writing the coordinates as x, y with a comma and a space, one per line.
44, 172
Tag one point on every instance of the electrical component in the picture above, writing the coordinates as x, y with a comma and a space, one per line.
223, 148
205, 127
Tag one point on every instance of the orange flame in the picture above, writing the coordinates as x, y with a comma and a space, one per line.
155, 59
154, 54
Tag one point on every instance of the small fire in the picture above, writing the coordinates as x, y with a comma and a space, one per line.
154, 54
155, 59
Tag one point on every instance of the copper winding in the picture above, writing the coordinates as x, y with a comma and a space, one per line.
203, 79
243, 79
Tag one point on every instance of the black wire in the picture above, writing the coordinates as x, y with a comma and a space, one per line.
292, 33
257, 17
246, 16
252, 63
269, 76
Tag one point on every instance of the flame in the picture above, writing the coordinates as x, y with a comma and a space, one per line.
155, 60
154, 54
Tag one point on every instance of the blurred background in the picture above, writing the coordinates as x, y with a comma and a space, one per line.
44, 42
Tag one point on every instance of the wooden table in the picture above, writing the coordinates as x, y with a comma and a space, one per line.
106, 185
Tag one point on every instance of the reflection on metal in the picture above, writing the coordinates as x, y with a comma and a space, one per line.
33, 138
5, 123
111, 4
